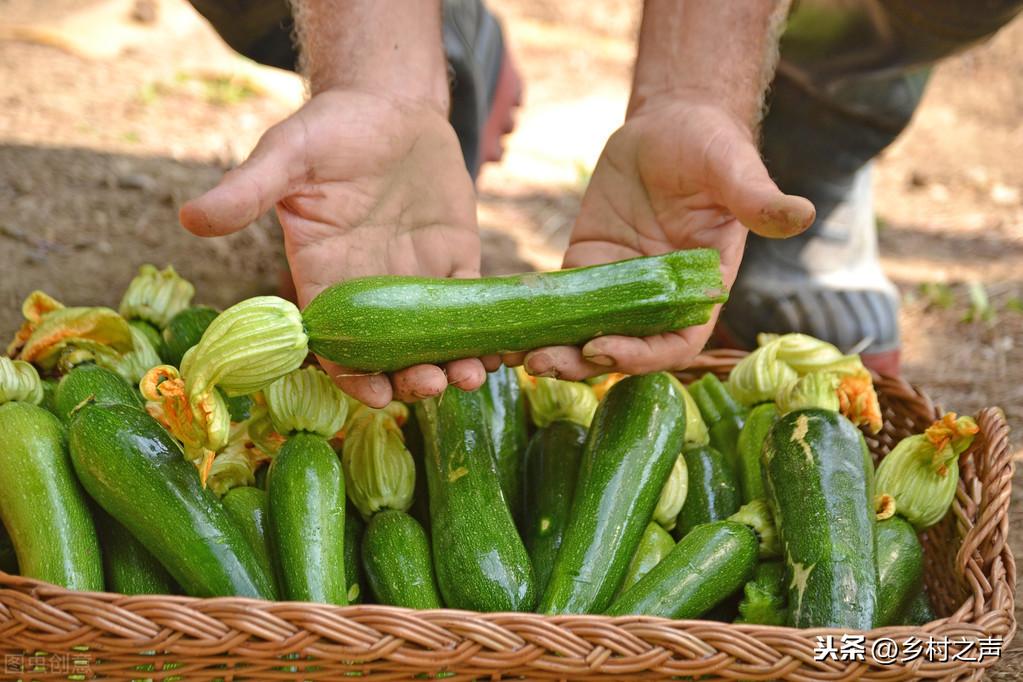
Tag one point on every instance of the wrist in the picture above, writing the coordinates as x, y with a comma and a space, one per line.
385, 47
645, 100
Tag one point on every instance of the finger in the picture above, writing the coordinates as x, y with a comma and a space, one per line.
631, 355
250, 190
418, 382
741, 180
513, 359
467, 374
370, 389
562, 362
491, 363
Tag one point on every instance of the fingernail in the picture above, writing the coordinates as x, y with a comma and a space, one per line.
540, 365
379, 383
602, 360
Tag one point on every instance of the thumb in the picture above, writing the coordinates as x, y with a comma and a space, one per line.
248, 191
744, 187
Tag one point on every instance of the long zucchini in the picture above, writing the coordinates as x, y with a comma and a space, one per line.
386, 323
506, 416
132, 467
820, 485
306, 491
634, 440
42, 505
552, 466
900, 569
480, 560
396, 556
706, 567
713, 493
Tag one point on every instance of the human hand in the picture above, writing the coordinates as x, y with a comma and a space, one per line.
363, 184
677, 175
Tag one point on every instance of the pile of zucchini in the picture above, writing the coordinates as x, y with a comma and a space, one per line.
169, 448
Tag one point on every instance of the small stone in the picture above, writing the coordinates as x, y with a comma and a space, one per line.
1004, 195
139, 181
939, 193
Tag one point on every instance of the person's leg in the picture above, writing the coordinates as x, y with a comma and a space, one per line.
485, 86
851, 76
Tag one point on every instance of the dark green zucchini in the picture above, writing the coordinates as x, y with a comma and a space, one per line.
764, 596
42, 505
92, 382
919, 610
480, 561
900, 569
184, 331
634, 440
551, 469
713, 493
396, 557
820, 486
389, 322
129, 568
655, 544
506, 417
355, 529
307, 520
247, 507
132, 467
723, 415
706, 567
8, 557
420, 509
751, 440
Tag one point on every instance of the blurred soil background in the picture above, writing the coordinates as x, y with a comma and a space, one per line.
113, 112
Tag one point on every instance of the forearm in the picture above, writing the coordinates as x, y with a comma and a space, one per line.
722, 51
391, 46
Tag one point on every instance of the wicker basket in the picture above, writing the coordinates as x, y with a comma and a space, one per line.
970, 576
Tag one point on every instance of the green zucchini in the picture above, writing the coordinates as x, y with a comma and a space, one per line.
706, 567
723, 415
900, 569
355, 529
247, 507
396, 557
764, 596
138, 474
129, 568
148, 330
820, 486
751, 440
42, 506
99, 384
8, 557
919, 610
479, 558
184, 331
551, 469
307, 520
634, 440
49, 401
387, 323
506, 417
420, 509
713, 493
655, 544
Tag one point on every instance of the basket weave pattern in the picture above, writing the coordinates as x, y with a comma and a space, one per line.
970, 576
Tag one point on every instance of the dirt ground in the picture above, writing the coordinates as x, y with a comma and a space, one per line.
110, 121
